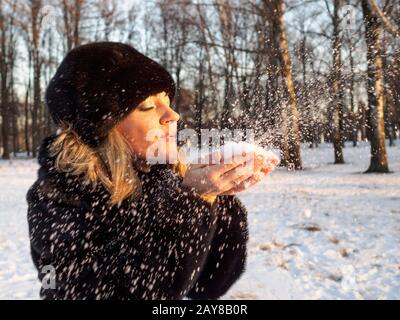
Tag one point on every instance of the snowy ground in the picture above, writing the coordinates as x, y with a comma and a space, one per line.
328, 232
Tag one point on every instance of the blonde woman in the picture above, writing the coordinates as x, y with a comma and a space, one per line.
108, 223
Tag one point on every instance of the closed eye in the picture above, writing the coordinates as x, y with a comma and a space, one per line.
147, 107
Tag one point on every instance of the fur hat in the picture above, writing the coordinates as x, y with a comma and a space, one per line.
98, 84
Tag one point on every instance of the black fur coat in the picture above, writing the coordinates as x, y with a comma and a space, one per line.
168, 245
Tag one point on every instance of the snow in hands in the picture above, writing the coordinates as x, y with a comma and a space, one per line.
260, 161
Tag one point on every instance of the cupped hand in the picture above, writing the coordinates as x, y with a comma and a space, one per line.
218, 176
214, 179
260, 171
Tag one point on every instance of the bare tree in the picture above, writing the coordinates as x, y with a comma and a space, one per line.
277, 16
72, 16
337, 87
4, 87
108, 12
386, 22
37, 65
7, 62
375, 89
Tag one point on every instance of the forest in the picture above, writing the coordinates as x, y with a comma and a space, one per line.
295, 72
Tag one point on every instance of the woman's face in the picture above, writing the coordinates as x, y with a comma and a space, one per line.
151, 129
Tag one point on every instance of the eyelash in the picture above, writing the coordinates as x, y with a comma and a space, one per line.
148, 108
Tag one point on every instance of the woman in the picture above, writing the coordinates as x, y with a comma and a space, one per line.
110, 224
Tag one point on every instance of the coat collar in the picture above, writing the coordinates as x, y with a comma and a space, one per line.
44, 157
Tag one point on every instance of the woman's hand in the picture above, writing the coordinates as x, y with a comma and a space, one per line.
215, 179
253, 179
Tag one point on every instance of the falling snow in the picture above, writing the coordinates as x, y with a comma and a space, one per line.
328, 231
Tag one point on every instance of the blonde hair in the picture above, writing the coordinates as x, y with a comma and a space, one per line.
111, 163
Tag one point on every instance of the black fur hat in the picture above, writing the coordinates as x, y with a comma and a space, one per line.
97, 84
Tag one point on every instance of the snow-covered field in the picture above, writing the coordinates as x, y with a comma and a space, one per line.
328, 232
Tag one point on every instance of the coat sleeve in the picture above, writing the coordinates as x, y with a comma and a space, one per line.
227, 257
156, 252
182, 223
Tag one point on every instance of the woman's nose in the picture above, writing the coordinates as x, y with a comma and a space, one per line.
169, 116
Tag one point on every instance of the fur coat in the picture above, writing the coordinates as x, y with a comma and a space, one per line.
169, 244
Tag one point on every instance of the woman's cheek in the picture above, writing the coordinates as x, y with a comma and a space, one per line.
148, 136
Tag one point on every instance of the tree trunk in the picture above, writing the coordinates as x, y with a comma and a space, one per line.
337, 88
26, 122
294, 157
5, 108
14, 122
36, 76
26, 106
387, 100
379, 161
355, 124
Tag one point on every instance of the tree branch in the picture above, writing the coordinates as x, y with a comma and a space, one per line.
387, 23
